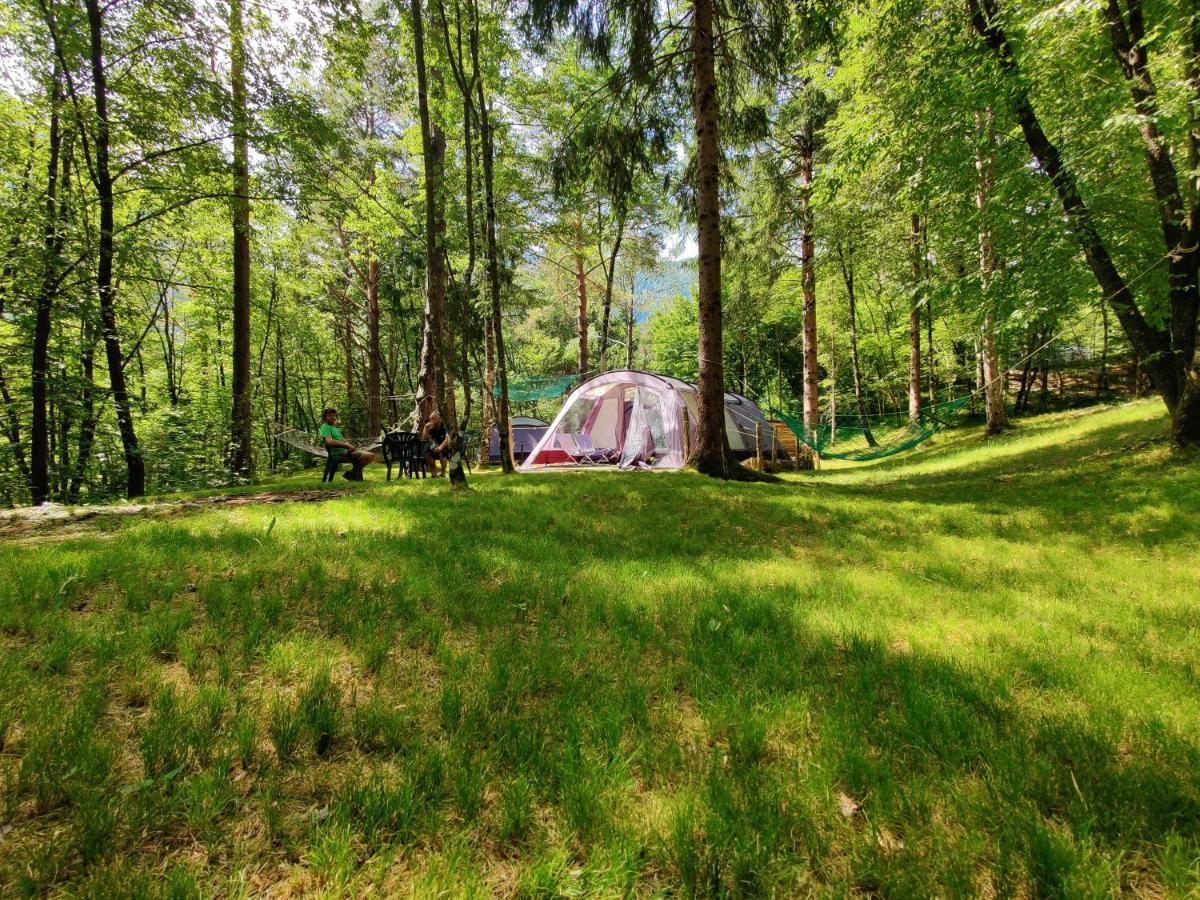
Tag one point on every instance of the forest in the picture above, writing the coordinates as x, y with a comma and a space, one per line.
860, 559
220, 218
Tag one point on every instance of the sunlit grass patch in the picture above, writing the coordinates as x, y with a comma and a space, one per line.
968, 670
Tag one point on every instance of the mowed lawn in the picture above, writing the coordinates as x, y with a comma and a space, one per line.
973, 670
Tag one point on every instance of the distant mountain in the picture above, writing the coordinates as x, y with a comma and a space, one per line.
668, 280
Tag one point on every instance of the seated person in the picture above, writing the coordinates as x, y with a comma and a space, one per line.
337, 445
435, 432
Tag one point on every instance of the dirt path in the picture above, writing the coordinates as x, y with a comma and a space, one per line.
56, 521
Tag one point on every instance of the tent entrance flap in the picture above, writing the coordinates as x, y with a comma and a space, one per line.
638, 448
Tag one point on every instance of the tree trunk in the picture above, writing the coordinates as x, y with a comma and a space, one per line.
241, 459
610, 275
430, 375
468, 291
581, 317
931, 374
808, 282
629, 314
979, 379
488, 149
1102, 375
13, 427
87, 403
443, 334
281, 380
1177, 221
13, 423
347, 337
374, 355
914, 325
847, 266
1022, 400
1157, 347
993, 375
135, 485
712, 457
456, 468
39, 434
1185, 422
489, 390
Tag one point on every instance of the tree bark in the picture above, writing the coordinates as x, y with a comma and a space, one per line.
1023, 387
610, 274
135, 485
444, 333
629, 315
39, 434
489, 390
847, 266
808, 282
1185, 421
374, 355
1178, 221
993, 375
581, 317
430, 375
13, 423
87, 404
241, 458
1177, 226
712, 457
1102, 375
931, 373
281, 381
914, 324
468, 292
488, 150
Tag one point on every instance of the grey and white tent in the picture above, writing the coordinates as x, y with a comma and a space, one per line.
526, 432
637, 420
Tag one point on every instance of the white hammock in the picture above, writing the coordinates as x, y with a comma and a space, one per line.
302, 440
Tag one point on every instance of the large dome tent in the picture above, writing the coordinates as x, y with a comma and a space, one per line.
636, 419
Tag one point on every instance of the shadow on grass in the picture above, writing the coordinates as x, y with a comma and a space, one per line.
596, 652
949, 780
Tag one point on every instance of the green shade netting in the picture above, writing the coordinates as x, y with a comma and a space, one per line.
860, 439
535, 387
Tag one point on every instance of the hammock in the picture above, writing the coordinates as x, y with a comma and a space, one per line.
536, 387
860, 439
302, 440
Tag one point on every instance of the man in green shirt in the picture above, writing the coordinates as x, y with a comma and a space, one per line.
337, 446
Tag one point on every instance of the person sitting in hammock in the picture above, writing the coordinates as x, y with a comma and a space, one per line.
337, 446
435, 432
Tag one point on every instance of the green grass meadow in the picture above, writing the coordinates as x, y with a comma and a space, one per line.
972, 670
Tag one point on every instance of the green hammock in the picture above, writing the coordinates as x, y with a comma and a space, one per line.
875, 436
536, 387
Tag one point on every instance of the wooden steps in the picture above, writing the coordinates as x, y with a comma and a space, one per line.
799, 456
787, 440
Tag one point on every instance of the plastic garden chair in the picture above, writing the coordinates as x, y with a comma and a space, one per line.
331, 466
591, 451
568, 445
